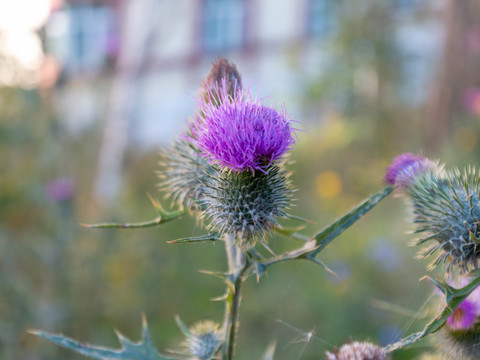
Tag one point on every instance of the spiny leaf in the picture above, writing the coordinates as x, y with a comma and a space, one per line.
142, 350
195, 239
314, 245
454, 298
163, 217
324, 237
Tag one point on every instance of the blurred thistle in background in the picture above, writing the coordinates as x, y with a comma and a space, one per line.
90, 90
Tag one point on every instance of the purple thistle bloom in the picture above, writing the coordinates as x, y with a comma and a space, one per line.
463, 318
406, 167
239, 132
60, 189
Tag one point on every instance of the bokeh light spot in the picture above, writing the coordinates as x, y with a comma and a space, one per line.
328, 184
465, 139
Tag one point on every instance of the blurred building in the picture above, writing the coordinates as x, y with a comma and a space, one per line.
136, 64
168, 45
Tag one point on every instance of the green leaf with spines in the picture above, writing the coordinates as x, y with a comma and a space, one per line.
141, 350
315, 244
454, 298
324, 237
195, 239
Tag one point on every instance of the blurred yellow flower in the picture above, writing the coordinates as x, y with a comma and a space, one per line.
328, 184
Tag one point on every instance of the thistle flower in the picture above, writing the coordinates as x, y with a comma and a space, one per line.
467, 315
405, 168
460, 337
240, 133
228, 167
358, 351
446, 209
202, 340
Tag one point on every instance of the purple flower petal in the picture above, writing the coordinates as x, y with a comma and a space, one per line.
406, 167
60, 189
463, 318
239, 132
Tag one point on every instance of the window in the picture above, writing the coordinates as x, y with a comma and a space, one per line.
82, 37
405, 4
321, 17
223, 24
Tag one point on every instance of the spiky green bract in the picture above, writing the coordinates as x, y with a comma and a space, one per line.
358, 351
184, 174
244, 203
447, 212
204, 340
459, 345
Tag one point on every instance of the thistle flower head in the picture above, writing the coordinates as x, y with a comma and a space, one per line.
446, 210
358, 351
460, 337
239, 132
467, 315
463, 318
405, 168
204, 339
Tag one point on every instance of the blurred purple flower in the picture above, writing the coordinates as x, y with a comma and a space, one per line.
473, 39
239, 132
388, 334
342, 271
466, 315
60, 189
471, 100
406, 167
463, 318
385, 254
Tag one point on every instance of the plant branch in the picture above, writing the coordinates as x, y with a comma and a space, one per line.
317, 243
454, 298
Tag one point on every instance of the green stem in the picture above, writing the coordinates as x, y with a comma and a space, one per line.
237, 267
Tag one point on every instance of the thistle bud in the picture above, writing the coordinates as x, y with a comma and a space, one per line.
358, 351
203, 340
223, 72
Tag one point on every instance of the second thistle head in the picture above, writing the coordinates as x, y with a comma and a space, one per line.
406, 168
446, 208
244, 142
